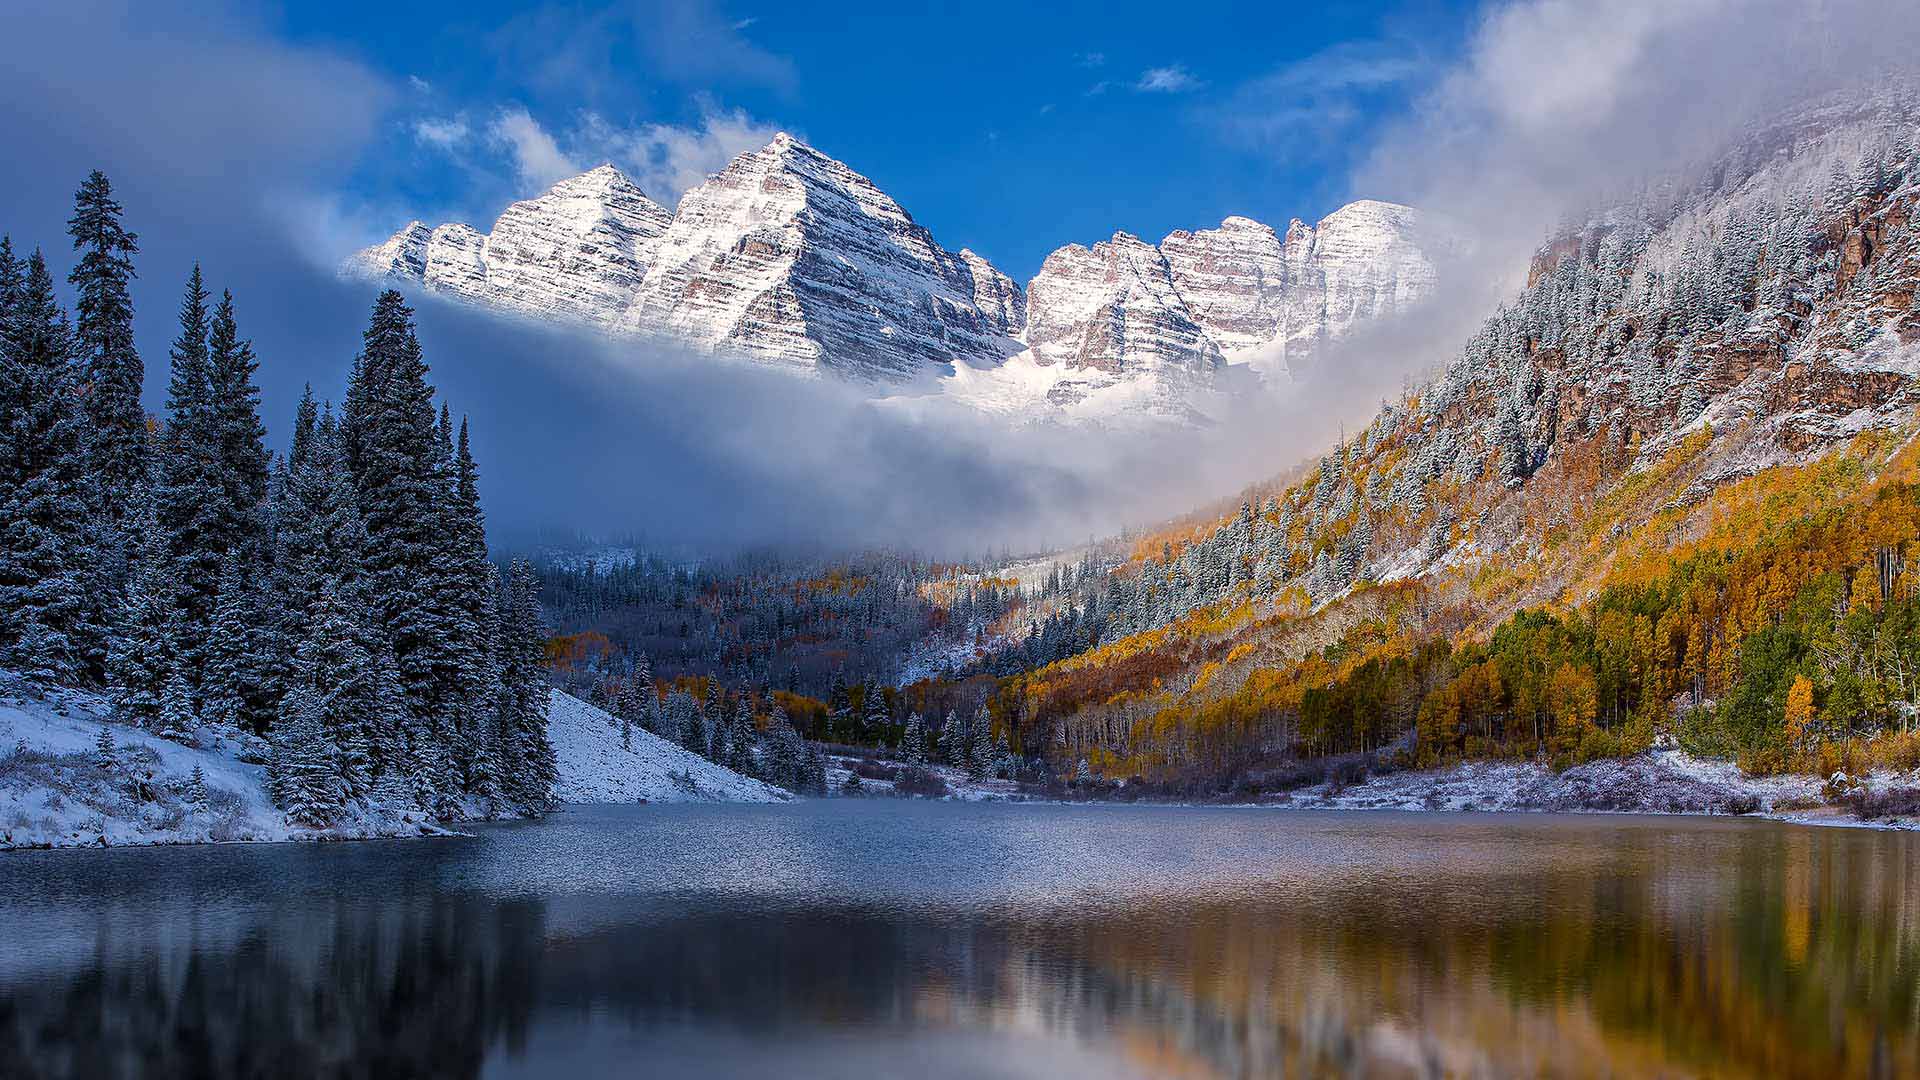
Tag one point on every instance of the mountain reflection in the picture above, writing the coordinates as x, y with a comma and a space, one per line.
1520, 948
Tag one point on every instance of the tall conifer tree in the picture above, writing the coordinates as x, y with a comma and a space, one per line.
109, 363
49, 590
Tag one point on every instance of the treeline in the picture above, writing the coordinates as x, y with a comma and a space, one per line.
761, 618
337, 600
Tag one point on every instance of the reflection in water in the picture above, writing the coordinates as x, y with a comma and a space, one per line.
935, 940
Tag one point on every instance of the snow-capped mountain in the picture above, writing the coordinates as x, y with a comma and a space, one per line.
789, 257
1283, 299
579, 252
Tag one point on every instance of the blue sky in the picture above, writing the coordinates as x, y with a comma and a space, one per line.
1009, 128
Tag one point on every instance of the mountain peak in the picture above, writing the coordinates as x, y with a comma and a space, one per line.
790, 257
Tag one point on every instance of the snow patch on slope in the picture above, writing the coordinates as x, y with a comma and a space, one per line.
596, 768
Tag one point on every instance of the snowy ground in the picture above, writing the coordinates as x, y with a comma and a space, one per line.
1657, 782
56, 792
596, 768
959, 787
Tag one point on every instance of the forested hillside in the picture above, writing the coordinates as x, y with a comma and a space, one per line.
1666, 493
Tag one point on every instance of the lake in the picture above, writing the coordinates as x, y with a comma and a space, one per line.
932, 940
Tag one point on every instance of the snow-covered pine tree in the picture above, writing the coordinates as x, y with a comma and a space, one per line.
814, 779
189, 496
980, 745
109, 363
51, 629
176, 719
231, 670
241, 450
714, 719
469, 670
913, 743
140, 652
953, 741
740, 738
392, 451
103, 749
197, 794
527, 754
339, 686
305, 766
785, 752
839, 708
876, 719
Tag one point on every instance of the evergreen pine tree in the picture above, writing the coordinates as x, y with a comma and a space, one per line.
110, 365
740, 739
980, 739
913, 743
103, 748
524, 696
392, 451
784, 762
197, 794
190, 496
876, 719
240, 440
231, 669
954, 749
304, 766
176, 709
339, 686
50, 625
140, 654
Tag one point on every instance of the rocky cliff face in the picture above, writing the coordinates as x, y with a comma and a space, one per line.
788, 255
578, 252
1236, 292
791, 258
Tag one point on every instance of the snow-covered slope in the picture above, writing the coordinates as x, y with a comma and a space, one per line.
596, 768
56, 792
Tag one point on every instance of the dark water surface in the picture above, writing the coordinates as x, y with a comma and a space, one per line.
876, 939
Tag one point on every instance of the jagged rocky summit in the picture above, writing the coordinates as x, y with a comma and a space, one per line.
791, 258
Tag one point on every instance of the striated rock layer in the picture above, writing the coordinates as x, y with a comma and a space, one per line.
791, 258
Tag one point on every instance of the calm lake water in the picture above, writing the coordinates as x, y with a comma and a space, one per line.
874, 939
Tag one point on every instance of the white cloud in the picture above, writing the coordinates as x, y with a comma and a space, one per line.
1314, 106
1172, 79
537, 158
443, 132
1090, 59
667, 159
1099, 88
742, 24
420, 85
